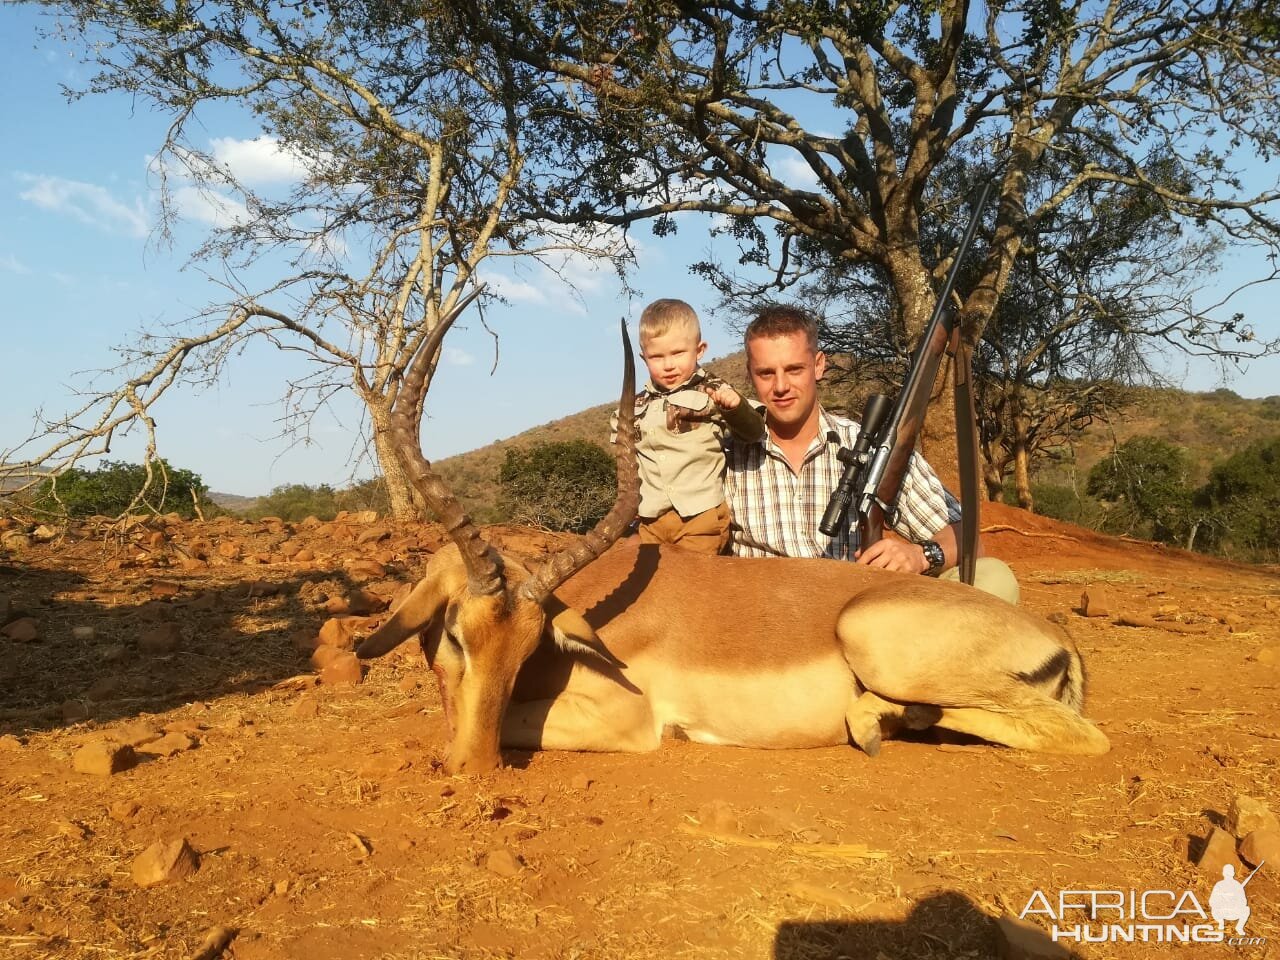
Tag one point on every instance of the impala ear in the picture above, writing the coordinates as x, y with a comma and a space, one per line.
422, 606
572, 633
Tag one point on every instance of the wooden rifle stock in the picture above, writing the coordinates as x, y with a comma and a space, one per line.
896, 440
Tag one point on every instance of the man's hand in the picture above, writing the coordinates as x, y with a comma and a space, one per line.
724, 396
896, 555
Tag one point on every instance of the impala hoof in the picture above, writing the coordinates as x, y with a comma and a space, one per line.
867, 736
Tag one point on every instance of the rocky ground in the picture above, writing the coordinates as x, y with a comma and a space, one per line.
193, 765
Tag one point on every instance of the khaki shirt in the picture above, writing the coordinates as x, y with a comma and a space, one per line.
680, 441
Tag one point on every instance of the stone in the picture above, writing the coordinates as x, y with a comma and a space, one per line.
164, 589
161, 639
581, 781
112, 652
717, 816
1267, 656
10, 742
1261, 845
14, 540
1271, 605
164, 861
342, 670
22, 630
83, 634
502, 862
135, 733
1219, 850
45, 533
339, 632
305, 555
102, 759
1021, 940
1057, 617
229, 550
168, 745
122, 811
322, 656
372, 535
74, 711
1097, 601
305, 709
1247, 814
103, 688
366, 570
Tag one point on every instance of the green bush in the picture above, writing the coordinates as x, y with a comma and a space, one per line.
1243, 496
109, 490
564, 485
297, 501
1145, 487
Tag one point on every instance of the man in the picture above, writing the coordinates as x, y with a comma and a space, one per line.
779, 486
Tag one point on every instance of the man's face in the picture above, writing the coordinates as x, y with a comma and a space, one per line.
672, 357
785, 373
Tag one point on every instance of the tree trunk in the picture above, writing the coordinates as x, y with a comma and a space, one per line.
992, 479
1022, 463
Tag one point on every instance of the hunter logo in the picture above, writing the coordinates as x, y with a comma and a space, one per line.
1148, 916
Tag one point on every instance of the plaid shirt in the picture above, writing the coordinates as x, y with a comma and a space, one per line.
776, 512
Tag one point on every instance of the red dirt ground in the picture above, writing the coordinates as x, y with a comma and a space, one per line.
328, 830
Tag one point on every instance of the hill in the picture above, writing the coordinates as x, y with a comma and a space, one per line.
1211, 426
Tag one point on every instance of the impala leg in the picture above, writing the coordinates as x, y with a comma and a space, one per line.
576, 722
1044, 726
871, 718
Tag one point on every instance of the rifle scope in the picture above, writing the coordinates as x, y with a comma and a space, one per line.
874, 415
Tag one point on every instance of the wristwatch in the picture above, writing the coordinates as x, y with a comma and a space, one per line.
934, 556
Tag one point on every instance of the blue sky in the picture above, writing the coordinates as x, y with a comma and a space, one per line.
81, 271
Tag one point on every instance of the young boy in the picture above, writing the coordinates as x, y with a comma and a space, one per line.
682, 415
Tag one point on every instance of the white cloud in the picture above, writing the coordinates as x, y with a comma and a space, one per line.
87, 203
796, 173
458, 358
11, 264
516, 291
260, 160
208, 206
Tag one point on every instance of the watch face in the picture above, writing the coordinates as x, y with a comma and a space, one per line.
933, 553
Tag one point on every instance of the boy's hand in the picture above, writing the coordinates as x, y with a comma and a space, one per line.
724, 396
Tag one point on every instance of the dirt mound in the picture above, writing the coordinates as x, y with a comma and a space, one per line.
174, 776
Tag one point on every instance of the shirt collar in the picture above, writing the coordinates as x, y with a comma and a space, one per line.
699, 375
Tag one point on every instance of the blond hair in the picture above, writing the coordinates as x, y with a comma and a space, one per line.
663, 316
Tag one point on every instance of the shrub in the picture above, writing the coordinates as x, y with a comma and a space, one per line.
1144, 484
297, 501
564, 485
1243, 494
109, 490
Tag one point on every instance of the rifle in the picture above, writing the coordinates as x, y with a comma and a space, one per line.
876, 466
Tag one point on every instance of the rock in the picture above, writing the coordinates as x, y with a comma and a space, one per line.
366, 570
409, 684
70, 829
192, 563
1268, 656
305, 555
322, 656
1261, 845
103, 688
200, 549
74, 711
1057, 617
342, 670
305, 709
1247, 814
83, 634
161, 639
14, 540
135, 733
372, 535
718, 817
164, 861
262, 588
229, 550
1271, 605
44, 533
1097, 601
502, 862
112, 653
168, 745
340, 632
1021, 940
102, 759
205, 602
404, 844
581, 782
10, 742
1219, 850
22, 630
164, 589
123, 811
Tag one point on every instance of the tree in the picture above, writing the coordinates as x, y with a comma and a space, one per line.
416, 153
115, 488
1146, 485
821, 131
1243, 494
561, 485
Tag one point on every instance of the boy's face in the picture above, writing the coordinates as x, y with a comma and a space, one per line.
672, 357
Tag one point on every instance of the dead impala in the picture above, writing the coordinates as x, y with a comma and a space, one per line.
607, 645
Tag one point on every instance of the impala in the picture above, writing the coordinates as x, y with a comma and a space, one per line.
609, 645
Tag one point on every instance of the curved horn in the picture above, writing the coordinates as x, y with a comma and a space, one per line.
483, 575
561, 566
